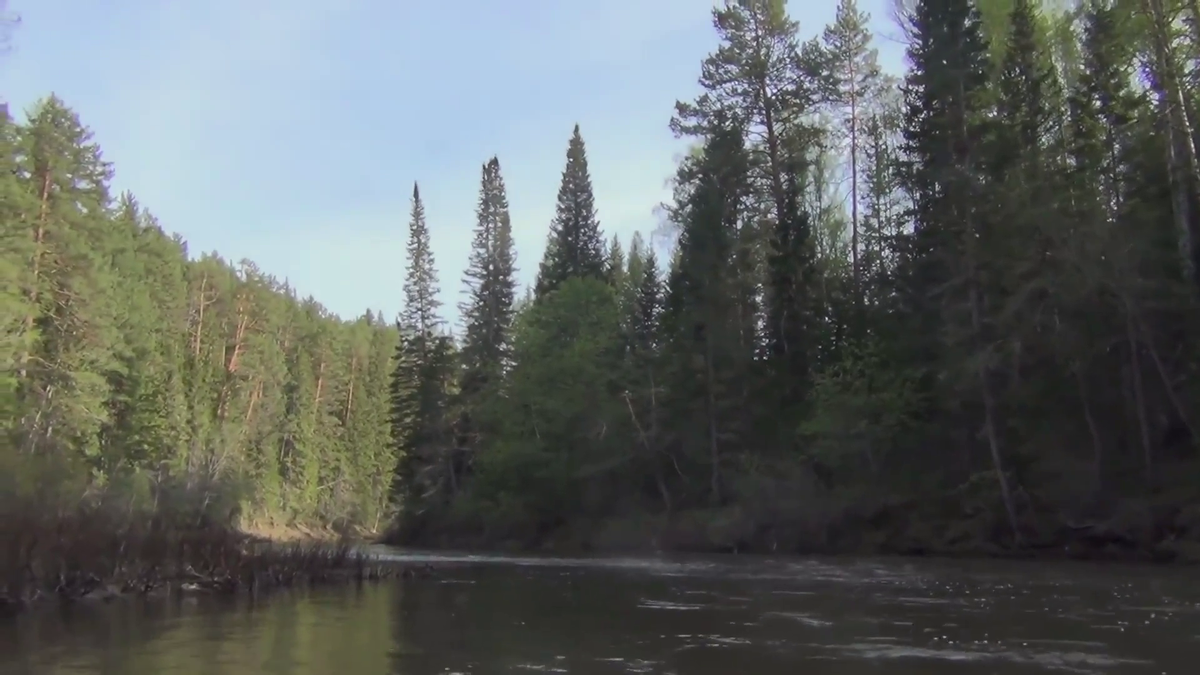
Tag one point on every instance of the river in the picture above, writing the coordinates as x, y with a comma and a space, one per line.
733, 615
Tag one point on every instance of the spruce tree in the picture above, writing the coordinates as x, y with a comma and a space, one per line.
418, 382
421, 304
947, 116
791, 324
1103, 106
1025, 176
701, 316
648, 304
490, 285
614, 263
575, 247
1027, 91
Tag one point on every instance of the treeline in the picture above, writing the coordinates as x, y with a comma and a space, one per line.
955, 308
947, 309
127, 365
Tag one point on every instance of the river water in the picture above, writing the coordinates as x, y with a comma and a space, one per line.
689, 616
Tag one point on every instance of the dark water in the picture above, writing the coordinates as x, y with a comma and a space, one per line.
691, 616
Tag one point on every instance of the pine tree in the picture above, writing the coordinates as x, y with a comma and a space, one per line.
575, 247
762, 78
15, 241
858, 79
64, 377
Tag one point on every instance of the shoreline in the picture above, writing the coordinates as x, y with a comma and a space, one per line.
91, 556
1170, 539
1140, 558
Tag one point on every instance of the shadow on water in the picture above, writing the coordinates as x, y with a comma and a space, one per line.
702, 616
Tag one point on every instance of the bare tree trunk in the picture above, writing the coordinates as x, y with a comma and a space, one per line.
854, 189
989, 425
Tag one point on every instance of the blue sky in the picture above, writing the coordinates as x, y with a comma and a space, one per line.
290, 132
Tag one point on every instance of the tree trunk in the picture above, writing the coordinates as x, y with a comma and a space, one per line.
1182, 164
1093, 429
714, 448
1139, 400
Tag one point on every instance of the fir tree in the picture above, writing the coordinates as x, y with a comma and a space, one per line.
421, 290
648, 303
701, 309
490, 285
614, 263
790, 321
575, 247
946, 118
418, 387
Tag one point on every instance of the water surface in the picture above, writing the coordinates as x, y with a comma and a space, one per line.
689, 616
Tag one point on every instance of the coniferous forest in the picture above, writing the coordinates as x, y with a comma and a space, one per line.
946, 310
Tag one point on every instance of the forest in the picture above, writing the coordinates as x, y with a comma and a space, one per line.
952, 310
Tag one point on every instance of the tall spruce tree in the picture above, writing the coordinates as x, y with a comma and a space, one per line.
575, 247
791, 321
702, 313
490, 286
419, 382
946, 117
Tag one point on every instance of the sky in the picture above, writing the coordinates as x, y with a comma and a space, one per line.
290, 132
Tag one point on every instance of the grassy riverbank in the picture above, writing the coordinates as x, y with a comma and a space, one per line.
103, 548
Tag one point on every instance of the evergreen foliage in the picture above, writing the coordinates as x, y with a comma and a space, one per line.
948, 315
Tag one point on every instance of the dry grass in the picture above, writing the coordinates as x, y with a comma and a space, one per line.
94, 552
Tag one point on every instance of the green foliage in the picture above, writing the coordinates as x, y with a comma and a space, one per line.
966, 292
560, 415
575, 247
126, 366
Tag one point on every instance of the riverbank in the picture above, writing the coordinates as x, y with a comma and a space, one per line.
96, 553
1146, 531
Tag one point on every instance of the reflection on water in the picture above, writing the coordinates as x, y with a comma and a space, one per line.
692, 616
